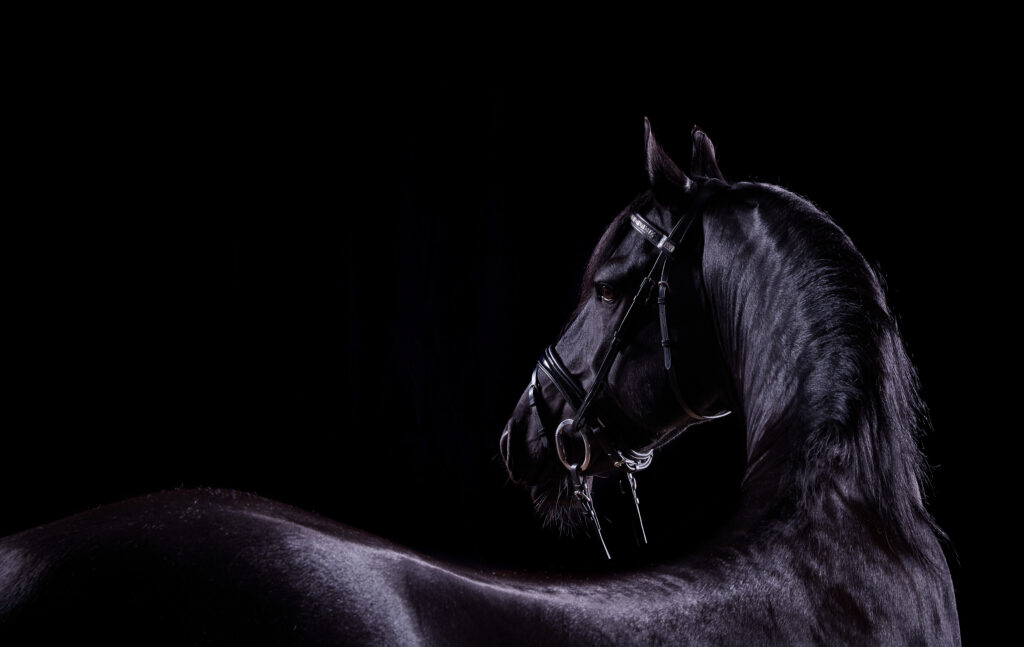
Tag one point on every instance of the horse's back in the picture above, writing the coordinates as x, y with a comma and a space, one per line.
210, 567
195, 567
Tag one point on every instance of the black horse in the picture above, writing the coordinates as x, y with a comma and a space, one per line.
756, 303
762, 306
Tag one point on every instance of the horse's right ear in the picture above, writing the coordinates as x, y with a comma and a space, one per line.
661, 170
704, 162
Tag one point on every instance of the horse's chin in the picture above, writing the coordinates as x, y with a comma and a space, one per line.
557, 508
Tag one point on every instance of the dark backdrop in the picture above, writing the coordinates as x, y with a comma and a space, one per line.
330, 289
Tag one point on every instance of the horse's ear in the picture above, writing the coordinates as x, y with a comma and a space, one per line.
704, 161
661, 170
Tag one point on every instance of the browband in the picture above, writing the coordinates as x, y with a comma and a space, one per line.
658, 238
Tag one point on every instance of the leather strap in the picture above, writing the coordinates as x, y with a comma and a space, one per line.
666, 334
710, 188
553, 367
657, 237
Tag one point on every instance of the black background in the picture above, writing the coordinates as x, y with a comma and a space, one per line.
329, 287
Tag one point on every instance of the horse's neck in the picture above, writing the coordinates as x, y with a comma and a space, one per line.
827, 393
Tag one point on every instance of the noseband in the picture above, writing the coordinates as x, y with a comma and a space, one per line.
580, 399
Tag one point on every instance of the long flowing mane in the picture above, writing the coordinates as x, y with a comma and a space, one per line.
819, 364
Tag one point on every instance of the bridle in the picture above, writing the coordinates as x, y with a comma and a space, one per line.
581, 400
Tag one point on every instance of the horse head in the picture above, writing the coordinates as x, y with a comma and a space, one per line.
639, 361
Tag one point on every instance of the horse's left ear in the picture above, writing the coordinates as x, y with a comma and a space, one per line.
661, 170
704, 161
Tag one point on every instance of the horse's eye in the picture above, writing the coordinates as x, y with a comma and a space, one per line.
606, 292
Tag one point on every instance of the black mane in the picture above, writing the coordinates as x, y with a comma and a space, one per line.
820, 368
825, 322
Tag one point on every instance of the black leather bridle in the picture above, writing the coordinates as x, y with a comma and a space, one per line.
581, 399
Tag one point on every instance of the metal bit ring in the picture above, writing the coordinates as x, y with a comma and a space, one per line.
560, 447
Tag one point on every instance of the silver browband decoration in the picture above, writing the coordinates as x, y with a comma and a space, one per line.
658, 238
